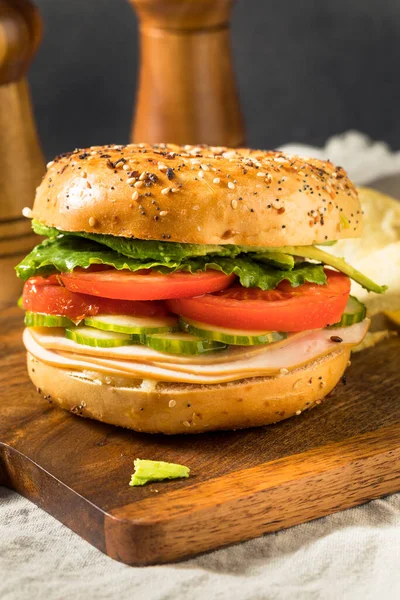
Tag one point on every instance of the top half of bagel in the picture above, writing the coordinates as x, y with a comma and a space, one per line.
200, 195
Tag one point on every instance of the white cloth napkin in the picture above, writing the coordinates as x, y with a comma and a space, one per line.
352, 555
363, 159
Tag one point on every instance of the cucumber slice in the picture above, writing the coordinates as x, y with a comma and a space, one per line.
354, 312
181, 343
234, 337
42, 320
87, 336
133, 325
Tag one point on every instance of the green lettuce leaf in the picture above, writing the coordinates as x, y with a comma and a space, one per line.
44, 230
140, 249
167, 252
65, 253
154, 254
253, 274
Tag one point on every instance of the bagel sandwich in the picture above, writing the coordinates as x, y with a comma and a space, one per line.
188, 289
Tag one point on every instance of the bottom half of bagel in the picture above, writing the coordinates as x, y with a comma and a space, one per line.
174, 407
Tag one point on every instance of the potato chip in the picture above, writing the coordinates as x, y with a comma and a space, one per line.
373, 338
377, 252
394, 316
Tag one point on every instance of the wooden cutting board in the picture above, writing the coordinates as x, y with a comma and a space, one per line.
243, 484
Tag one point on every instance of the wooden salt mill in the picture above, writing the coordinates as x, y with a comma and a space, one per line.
21, 160
186, 92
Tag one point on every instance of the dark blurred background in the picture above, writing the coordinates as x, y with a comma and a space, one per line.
305, 70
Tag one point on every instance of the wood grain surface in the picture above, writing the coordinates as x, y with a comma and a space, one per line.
21, 159
242, 484
186, 89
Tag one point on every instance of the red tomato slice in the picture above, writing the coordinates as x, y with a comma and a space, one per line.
285, 308
42, 297
37, 280
145, 284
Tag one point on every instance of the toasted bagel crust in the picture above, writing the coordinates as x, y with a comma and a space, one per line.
201, 195
187, 408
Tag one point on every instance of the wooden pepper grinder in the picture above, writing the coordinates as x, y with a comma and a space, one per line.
21, 160
187, 91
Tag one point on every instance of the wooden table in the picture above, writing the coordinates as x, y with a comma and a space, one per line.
243, 483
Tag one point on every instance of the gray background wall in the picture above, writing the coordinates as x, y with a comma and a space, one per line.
306, 70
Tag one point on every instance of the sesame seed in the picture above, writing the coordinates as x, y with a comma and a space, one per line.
283, 371
298, 412
234, 203
163, 213
216, 149
216, 180
172, 403
126, 167
261, 174
50, 164
231, 185
27, 212
130, 180
174, 190
138, 184
229, 154
165, 190
205, 167
135, 195
200, 174
186, 423
92, 221
162, 167
143, 176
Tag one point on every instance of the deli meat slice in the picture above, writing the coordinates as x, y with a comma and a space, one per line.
268, 361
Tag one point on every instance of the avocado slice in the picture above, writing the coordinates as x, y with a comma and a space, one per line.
278, 260
334, 261
156, 470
